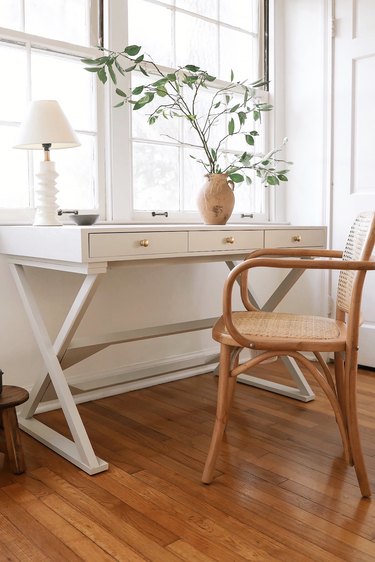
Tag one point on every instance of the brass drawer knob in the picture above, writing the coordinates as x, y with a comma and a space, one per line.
229, 240
144, 243
296, 238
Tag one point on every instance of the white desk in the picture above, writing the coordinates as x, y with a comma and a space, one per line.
91, 251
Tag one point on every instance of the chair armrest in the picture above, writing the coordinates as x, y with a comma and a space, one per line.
353, 265
294, 252
255, 259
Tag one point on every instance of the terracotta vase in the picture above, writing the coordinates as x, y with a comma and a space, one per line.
216, 199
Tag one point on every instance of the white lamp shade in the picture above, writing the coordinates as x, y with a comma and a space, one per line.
46, 123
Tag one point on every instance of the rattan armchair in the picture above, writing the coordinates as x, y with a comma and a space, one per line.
279, 334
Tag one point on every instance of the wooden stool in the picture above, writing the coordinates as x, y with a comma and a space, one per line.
11, 397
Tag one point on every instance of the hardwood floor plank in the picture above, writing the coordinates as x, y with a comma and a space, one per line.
19, 545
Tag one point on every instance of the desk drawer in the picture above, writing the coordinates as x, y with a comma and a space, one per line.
225, 240
120, 244
295, 238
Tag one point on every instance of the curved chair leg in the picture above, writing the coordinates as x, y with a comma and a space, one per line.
354, 435
232, 381
225, 393
340, 381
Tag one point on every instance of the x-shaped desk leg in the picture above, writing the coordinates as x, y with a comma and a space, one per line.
79, 451
302, 391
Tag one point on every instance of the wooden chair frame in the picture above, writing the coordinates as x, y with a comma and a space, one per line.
340, 390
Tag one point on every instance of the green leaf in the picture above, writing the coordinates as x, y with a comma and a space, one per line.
217, 105
282, 177
265, 107
249, 181
130, 68
161, 91
102, 75
256, 115
272, 180
119, 104
237, 178
143, 101
234, 108
160, 82
191, 67
171, 77
254, 133
210, 78
152, 119
139, 59
112, 74
94, 69
249, 139
89, 61
143, 71
231, 127
231, 78
121, 93
242, 117
213, 153
137, 90
119, 67
132, 50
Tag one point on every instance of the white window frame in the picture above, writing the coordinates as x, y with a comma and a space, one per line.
29, 41
119, 170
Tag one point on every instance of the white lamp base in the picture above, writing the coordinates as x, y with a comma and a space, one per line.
46, 205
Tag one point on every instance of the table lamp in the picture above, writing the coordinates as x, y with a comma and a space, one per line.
45, 127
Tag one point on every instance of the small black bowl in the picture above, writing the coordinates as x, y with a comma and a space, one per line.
84, 220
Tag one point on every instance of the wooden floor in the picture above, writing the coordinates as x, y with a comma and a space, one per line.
282, 490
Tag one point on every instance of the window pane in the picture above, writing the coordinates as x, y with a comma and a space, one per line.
13, 90
193, 178
236, 53
10, 14
154, 32
249, 198
155, 177
76, 181
14, 191
208, 8
65, 20
240, 13
61, 78
196, 43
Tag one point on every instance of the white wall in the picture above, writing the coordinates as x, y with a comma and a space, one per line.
302, 82
147, 296
302, 55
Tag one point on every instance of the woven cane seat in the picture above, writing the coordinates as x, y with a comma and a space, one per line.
295, 328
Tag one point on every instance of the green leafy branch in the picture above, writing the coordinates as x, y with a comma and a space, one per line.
235, 103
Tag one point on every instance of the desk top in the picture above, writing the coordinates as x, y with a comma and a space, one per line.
103, 243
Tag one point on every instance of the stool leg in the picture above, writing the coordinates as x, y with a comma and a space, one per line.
13, 441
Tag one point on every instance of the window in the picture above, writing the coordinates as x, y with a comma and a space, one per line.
41, 44
154, 173
124, 167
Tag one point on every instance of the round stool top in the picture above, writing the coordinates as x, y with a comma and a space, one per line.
12, 396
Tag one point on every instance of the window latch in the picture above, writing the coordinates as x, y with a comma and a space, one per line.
155, 214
